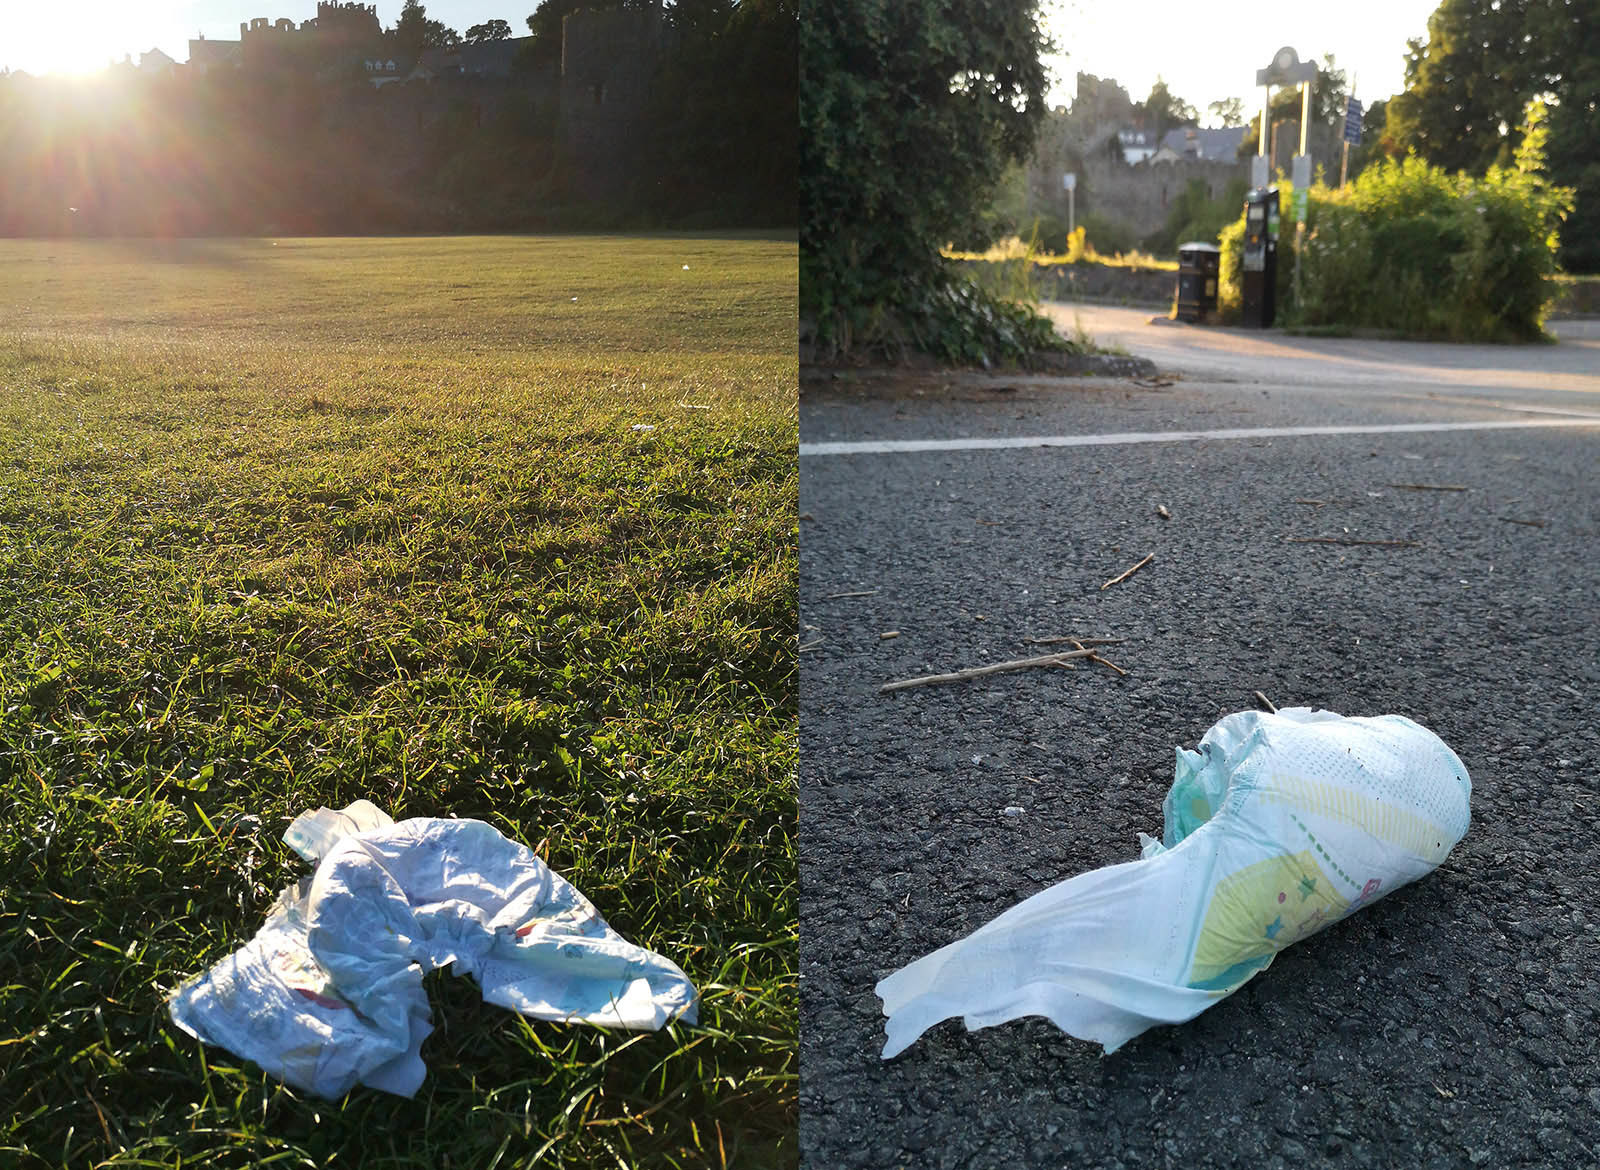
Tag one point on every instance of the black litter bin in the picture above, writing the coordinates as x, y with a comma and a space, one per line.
1198, 268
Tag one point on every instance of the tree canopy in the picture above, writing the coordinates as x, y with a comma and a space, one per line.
1227, 112
1164, 111
909, 112
544, 23
1469, 84
414, 32
489, 30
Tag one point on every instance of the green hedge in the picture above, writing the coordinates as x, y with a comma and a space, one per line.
1411, 249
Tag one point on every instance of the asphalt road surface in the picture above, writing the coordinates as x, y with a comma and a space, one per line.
1452, 1023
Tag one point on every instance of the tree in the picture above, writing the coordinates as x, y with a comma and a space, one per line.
909, 112
414, 32
719, 139
1468, 85
489, 30
1163, 111
1227, 112
544, 23
1450, 121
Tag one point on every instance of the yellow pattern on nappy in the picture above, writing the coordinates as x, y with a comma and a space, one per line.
1257, 912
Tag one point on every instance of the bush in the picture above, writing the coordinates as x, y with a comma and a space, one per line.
909, 115
1412, 249
959, 320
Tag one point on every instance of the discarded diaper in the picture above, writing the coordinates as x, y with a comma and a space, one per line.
329, 993
1279, 825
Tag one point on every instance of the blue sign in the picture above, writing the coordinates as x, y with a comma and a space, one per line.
1352, 123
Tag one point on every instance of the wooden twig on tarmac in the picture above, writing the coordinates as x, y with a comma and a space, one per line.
1313, 503
1266, 702
858, 593
1347, 540
1529, 523
811, 645
1097, 658
1108, 662
929, 680
1124, 576
1431, 487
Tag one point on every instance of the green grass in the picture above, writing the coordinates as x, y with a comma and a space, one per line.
284, 525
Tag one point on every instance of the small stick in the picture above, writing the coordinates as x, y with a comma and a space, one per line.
859, 593
1265, 702
1074, 641
1529, 523
887, 634
1343, 540
1098, 658
1107, 662
1431, 487
811, 645
1313, 503
929, 680
1129, 573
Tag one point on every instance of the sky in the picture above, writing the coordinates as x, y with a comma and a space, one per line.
81, 36
1208, 52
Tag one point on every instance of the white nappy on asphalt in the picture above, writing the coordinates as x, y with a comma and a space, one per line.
329, 993
1277, 826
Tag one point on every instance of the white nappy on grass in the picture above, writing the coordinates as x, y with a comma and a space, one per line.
329, 993
1277, 826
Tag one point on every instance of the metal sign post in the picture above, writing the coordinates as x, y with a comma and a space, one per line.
1070, 182
1352, 133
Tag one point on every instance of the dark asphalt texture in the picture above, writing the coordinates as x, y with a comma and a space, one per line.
1452, 1023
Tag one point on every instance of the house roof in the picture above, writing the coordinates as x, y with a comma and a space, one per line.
487, 58
204, 52
1208, 144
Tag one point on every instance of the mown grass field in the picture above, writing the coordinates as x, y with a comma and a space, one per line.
288, 523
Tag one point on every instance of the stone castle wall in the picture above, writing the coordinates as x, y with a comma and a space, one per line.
1141, 196
609, 60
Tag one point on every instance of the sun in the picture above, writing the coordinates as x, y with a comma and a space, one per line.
78, 37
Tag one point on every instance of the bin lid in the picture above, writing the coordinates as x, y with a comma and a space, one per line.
1198, 247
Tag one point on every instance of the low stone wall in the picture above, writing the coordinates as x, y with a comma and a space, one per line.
1157, 287
1575, 297
1101, 283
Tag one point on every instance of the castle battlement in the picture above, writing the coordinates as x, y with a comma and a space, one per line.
343, 20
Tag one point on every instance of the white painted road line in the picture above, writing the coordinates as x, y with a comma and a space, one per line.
1124, 438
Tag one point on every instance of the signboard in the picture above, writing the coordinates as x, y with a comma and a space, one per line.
1069, 181
1352, 122
1287, 69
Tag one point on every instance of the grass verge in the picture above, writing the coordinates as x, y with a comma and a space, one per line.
496, 528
